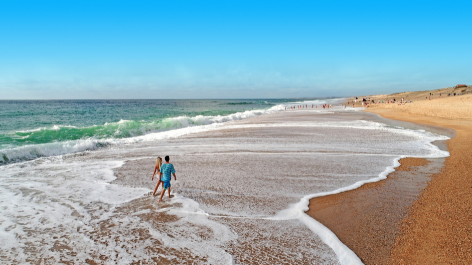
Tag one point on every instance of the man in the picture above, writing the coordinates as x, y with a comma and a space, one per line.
166, 170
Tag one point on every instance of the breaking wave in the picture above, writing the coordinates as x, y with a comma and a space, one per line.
61, 140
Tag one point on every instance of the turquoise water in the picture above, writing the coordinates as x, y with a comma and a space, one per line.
27, 127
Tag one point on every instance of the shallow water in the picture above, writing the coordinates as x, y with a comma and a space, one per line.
238, 197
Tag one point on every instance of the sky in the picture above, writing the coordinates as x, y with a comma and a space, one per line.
230, 49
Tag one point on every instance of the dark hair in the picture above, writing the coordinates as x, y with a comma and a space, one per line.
167, 158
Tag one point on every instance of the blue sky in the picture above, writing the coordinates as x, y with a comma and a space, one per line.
230, 49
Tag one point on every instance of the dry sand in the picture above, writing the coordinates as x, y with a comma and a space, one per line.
438, 226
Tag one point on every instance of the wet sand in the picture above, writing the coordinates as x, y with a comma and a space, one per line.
366, 219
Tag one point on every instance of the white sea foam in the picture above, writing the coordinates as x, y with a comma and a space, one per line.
54, 196
53, 128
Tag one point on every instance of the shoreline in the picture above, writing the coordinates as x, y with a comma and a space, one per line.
439, 225
365, 219
432, 228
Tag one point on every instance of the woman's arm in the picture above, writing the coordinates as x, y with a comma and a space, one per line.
156, 168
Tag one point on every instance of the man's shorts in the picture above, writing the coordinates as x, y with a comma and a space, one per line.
166, 185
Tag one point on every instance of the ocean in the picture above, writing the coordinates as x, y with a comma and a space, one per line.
32, 129
75, 178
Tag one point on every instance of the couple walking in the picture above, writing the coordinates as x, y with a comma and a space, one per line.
165, 170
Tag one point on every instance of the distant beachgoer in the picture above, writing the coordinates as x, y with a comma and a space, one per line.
166, 170
157, 168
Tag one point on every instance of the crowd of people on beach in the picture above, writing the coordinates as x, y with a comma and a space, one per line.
366, 101
306, 106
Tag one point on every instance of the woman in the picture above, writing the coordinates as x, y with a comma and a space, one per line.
157, 169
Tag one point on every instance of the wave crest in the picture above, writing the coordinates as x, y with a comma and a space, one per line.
61, 140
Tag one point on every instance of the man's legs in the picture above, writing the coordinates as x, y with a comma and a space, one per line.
162, 195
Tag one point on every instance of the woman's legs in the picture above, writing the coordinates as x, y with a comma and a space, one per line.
157, 186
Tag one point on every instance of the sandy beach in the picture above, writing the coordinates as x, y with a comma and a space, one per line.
364, 219
427, 223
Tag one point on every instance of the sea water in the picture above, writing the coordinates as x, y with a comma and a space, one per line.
76, 176
32, 129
